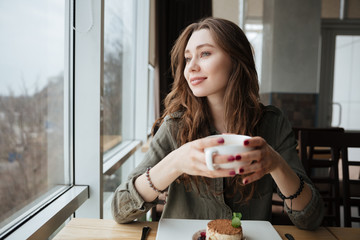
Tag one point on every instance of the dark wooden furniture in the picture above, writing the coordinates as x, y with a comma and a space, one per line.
336, 191
319, 152
313, 152
351, 194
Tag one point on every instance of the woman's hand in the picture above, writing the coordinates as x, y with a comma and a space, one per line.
190, 159
259, 162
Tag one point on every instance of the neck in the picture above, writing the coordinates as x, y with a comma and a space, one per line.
217, 109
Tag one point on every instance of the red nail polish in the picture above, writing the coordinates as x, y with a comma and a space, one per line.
238, 157
241, 170
246, 181
231, 158
232, 173
246, 142
221, 140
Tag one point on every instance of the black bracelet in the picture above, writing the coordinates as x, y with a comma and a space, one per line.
291, 197
147, 174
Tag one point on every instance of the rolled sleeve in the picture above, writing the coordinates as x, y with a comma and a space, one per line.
311, 216
127, 204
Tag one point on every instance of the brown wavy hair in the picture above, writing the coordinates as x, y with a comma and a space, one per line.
242, 105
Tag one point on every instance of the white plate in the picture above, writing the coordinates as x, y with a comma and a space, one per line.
183, 229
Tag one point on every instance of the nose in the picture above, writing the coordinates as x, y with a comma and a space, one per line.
193, 65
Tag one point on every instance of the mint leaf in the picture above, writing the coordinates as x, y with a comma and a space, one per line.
236, 220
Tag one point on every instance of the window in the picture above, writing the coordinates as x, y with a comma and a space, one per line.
254, 32
119, 73
118, 89
73, 99
124, 67
33, 106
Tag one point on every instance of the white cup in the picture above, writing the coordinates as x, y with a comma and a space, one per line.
233, 145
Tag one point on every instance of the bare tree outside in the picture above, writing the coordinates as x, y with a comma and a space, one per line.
29, 125
119, 41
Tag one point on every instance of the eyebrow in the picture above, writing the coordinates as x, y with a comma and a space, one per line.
201, 46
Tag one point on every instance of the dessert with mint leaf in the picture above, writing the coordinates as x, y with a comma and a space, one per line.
225, 229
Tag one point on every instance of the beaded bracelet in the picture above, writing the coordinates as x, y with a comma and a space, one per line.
291, 197
147, 174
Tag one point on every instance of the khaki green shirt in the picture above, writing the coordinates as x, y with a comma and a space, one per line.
128, 205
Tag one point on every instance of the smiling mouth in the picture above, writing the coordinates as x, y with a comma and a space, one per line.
196, 81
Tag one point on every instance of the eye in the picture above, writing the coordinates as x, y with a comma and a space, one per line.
187, 59
205, 54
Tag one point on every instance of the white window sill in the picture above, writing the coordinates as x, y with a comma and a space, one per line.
115, 158
48, 219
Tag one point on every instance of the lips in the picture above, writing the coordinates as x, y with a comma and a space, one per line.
197, 80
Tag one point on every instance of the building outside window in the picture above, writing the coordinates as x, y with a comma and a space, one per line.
34, 158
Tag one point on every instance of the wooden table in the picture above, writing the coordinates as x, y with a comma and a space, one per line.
91, 229
345, 233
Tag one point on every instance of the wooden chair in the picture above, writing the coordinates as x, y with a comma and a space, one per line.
319, 152
297, 130
279, 217
322, 151
350, 187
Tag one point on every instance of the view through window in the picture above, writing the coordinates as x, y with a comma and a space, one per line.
33, 162
119, 68
119, 82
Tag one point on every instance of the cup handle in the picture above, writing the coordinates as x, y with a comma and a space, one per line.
209, 158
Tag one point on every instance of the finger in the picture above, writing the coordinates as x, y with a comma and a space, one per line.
220, 173
208, 142
203, 170
251, 156
252, 178
254, 142
255, 167
220, 159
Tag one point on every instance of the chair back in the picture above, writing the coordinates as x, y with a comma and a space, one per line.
319, 151
279, 217
351, 187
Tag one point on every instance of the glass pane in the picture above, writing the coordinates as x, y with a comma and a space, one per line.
31, 104
111, 182
346, 98
254, 32
151, 99
119, 57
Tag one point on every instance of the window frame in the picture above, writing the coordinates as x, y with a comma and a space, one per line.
42, 219
84, 69
115, 158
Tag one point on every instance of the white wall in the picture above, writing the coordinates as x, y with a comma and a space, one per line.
290, 61
228, 9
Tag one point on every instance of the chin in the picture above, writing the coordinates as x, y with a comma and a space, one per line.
199, 94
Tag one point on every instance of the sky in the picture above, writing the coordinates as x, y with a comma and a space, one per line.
33, 37
31, 44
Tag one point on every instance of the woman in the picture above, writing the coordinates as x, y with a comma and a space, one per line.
216, 91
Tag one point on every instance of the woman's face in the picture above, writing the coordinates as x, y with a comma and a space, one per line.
208, 67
